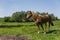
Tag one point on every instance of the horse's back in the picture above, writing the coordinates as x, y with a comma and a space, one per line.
45, 18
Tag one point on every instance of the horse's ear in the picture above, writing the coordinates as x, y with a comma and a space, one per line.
30, 12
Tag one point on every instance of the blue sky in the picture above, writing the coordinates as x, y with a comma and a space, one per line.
8, 7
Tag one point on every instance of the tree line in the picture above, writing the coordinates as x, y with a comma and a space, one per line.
20, 17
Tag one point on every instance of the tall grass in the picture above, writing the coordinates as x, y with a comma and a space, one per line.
30, 29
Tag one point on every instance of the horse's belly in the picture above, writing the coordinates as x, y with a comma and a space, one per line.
45, 20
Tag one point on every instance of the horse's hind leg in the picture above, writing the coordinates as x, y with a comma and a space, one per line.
49, 27
45, 25
50, 22
43, 28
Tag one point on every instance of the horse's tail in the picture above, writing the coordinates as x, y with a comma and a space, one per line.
50, 20
52, 23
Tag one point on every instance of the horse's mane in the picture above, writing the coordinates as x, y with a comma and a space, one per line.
34, 13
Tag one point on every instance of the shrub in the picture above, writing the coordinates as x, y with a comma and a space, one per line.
6, 19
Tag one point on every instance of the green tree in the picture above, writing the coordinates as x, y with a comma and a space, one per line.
19, 16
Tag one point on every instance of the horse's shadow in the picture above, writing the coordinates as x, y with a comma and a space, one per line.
49, 32
53, 31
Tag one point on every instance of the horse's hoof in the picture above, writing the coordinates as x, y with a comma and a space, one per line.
48, 30
38, 32
44, 32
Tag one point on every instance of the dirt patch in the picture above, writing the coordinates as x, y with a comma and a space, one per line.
13, 37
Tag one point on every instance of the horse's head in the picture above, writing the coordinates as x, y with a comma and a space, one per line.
29, 14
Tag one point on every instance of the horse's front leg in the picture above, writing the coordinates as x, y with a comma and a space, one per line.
45, 25
38, 28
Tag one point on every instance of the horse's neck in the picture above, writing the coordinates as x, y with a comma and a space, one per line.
34, 16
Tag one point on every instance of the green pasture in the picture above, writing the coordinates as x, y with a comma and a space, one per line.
30, 29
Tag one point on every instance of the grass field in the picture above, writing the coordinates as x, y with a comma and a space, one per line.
30, 29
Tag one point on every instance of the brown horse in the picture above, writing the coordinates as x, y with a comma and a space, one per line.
40, 20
